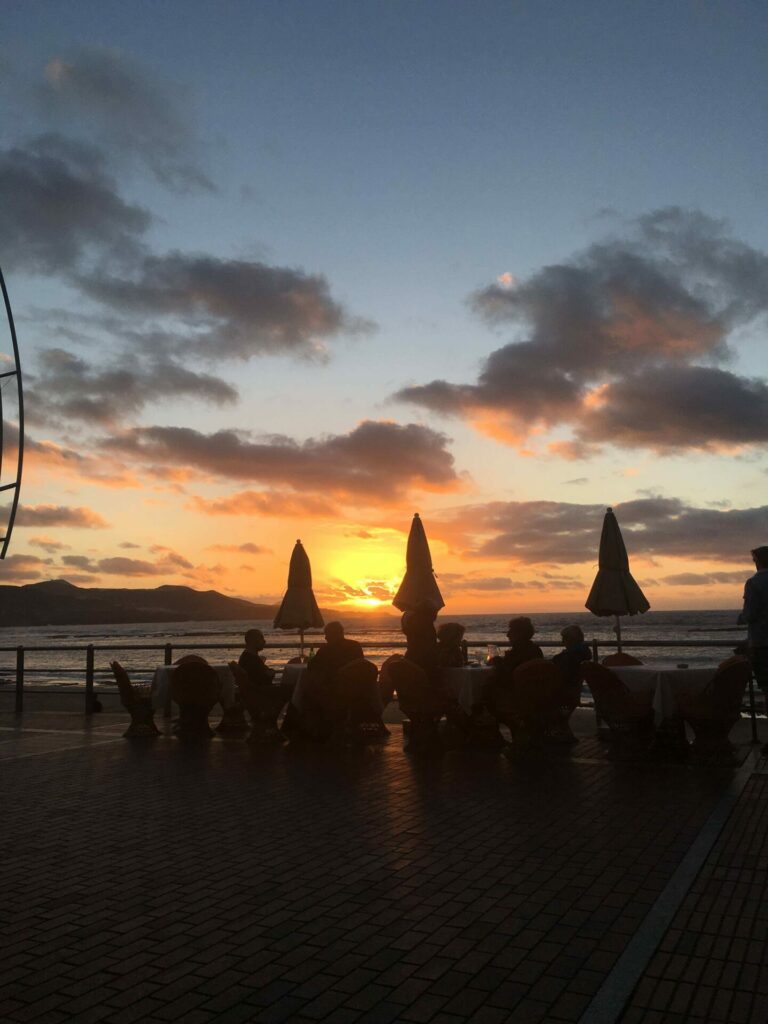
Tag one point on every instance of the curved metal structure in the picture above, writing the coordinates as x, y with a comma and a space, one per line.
15, 372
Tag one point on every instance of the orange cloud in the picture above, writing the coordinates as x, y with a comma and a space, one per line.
58, 515
266, 503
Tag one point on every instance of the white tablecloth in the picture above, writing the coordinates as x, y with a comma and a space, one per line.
466, 684
666, 684
295, 675
161, 684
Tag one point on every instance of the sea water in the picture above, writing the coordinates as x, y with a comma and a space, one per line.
113, 642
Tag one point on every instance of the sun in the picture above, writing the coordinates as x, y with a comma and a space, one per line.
366, 576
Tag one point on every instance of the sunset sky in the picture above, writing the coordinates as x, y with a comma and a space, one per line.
300, 269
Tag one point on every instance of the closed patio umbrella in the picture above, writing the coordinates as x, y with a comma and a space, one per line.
299, 608
419, 585
614, 591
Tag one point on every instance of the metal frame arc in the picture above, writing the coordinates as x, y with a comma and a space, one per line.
16, 372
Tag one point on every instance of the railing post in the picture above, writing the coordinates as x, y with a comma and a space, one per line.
89, 657
19, 707
596, 658
168, 660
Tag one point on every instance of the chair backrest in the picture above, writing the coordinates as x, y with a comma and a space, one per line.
414, 690
726, 691
240, 676
360, 673
195, 682
537, 684
620, 658
386, 682
608, 692
385, 665
123, 683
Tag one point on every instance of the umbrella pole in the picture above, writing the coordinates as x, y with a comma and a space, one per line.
301, 642
618, 633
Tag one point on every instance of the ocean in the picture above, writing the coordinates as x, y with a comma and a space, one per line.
67, 668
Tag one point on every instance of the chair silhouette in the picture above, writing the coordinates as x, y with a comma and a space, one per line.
620, 658
419, 701
629, 715
713, 712
263, 703
386, 683
196, 688
537, 704
354, 703
137, 701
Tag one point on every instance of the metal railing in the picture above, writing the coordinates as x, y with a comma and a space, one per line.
90, 672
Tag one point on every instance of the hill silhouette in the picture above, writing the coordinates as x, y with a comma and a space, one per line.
59, 603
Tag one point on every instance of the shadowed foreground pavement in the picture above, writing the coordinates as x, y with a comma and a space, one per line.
161, 883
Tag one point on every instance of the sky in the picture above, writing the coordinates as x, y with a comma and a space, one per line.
292, 270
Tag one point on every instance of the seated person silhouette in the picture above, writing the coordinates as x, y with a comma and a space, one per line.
418, 625
522, 648
322, 701
422, 649
336, 652
569, 661
252, 663
450, 650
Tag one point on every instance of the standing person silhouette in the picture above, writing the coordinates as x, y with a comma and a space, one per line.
755, 616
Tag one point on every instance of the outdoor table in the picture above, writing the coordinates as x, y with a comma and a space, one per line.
161, 686
295, 675
467, 684
666, 683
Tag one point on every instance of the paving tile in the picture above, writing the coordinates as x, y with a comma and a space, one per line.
302, 885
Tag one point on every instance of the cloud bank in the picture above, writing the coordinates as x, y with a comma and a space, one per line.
379, 461
554, 533
623, 344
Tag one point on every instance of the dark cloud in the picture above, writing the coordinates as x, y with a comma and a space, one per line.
380, 460
81, 562
59, 206
121, 566
674, 407
131, 111
63, 214
22, 568
232, 308
637, 321
701, 579
58, 515
247, 548
68, 386
552, 532
169, 562
170, 558
458, 583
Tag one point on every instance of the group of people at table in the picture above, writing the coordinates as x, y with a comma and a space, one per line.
316, 695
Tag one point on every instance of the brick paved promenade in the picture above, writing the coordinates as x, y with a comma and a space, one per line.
163, 884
